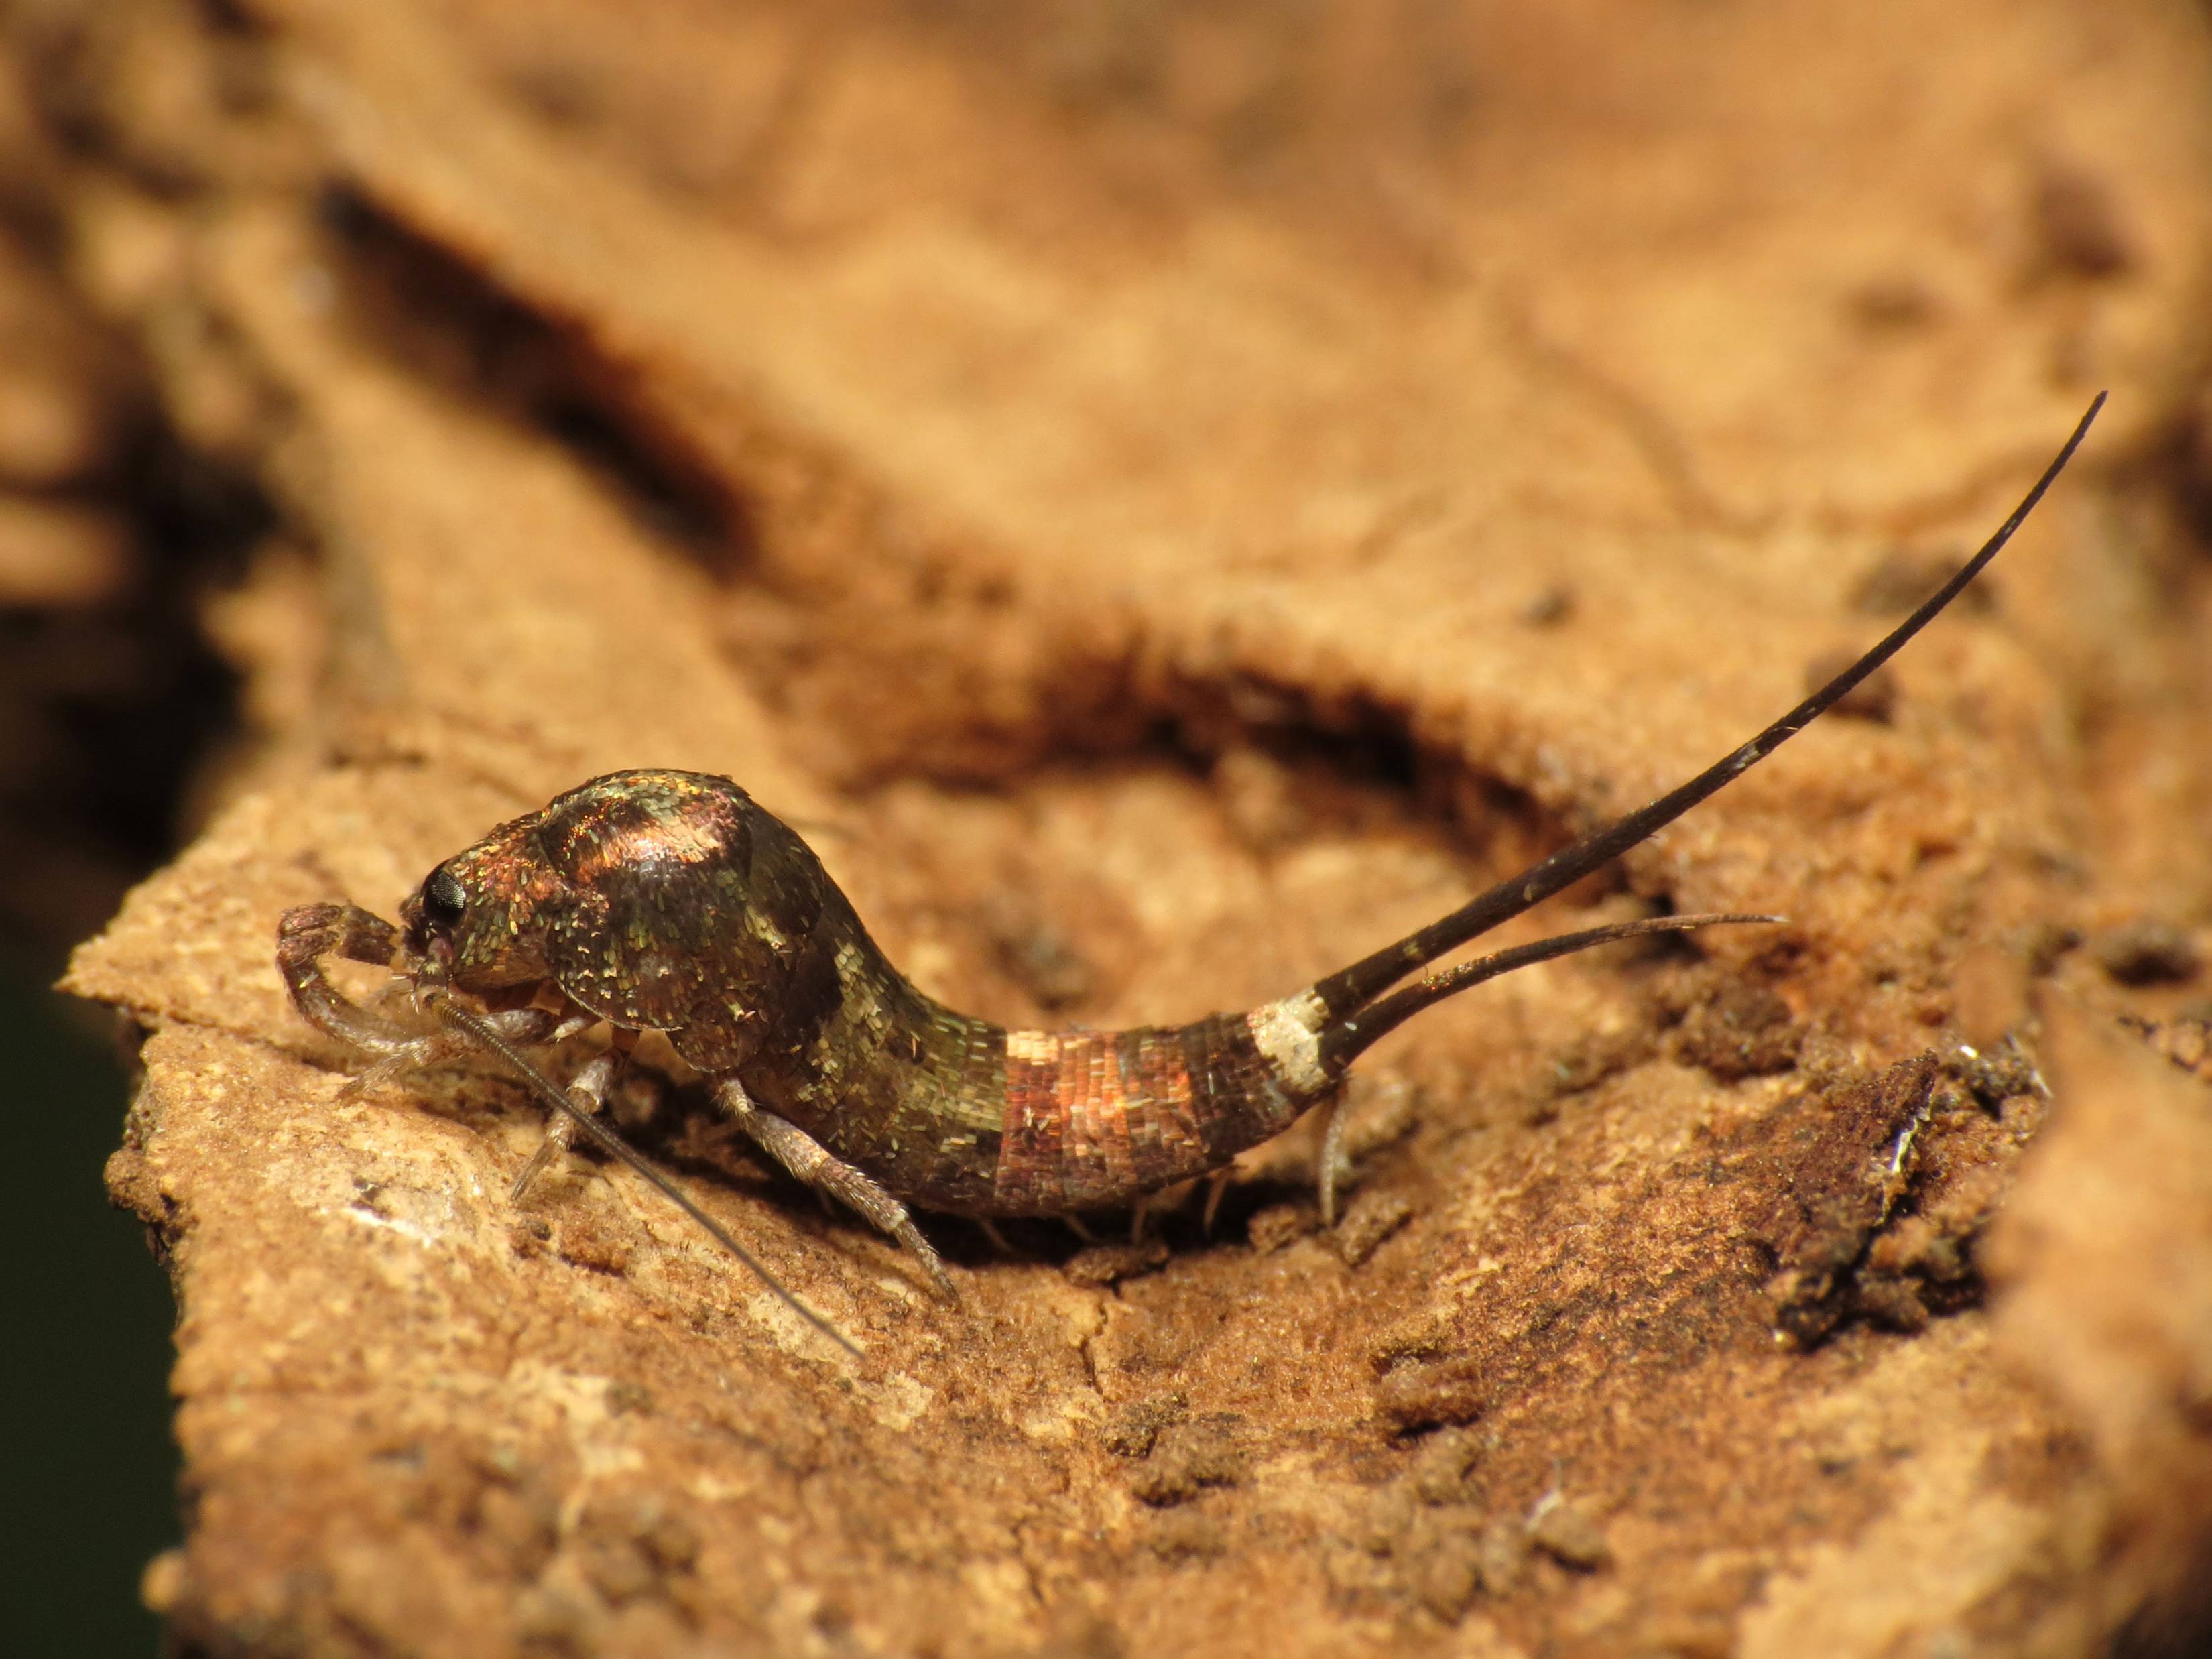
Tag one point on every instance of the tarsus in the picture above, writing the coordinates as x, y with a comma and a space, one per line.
480, 1030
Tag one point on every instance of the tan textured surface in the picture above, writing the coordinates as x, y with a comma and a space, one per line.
1132, 425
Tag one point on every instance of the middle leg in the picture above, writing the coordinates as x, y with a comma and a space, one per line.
589, 1089
805, 1158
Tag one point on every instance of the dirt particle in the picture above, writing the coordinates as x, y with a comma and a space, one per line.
1571, 1535
1439, 1472
1134, 1426
162, 1586
1080, 1632
1385, 1523
1917, 1244
2079, 223
1383, 1113
625, 1399
1904, 577
585, 1243
1186, 1459
1359, 1579
520, 1523
1038, 955
1271, 1228
558, 1616
1835, 1154
1994, 1075
1260, 797
2146, 952
1885, 1186
626, 1551
1109, 1264
1413, 1397
1894, 1303
1373, 1218
2185, 1041
1893, 305
1743, 1030
668, 1537
619, 1569
1595, 1057
1424, 1335
1502, 1554
1449, 1574
2046, 942
1548, 609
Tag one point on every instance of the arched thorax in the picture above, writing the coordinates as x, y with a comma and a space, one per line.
659, 901
672, 902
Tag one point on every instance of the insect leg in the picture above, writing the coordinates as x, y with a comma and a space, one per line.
308, 934
1331, 1158
426, 1051
440, 1002
589, 1089
1216, 1185
798, 1152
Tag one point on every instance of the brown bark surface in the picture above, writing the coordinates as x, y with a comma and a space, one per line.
1168, 498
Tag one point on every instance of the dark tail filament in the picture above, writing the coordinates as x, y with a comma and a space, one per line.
1349, 995
1344, 1040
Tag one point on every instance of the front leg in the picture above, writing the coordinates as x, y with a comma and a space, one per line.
426, 1051
308, 934
305, 936
805, 1158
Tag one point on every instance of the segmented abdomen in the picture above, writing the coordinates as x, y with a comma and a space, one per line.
958, 1113
1095, 1118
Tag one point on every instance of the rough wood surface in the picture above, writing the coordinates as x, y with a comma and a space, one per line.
1167, 499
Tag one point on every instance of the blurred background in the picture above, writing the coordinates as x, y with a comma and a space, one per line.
113, 538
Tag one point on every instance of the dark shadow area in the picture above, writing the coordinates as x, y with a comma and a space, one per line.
88, 1465
457, 328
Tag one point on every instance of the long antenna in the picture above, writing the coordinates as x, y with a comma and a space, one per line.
441, 1003
1352, 989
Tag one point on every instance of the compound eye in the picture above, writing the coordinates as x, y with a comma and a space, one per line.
443, 899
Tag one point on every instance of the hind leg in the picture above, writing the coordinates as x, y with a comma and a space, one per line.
1331, 1158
